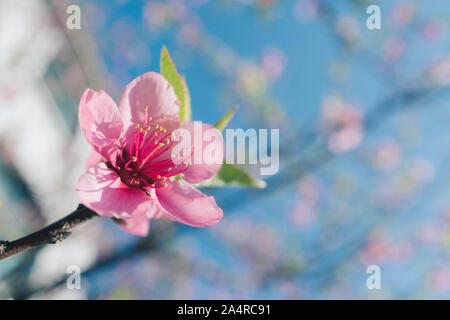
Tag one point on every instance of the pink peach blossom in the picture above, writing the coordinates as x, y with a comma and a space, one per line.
128, 175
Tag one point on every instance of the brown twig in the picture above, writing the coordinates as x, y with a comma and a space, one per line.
51, 234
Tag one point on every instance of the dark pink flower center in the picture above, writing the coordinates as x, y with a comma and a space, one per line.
145, 159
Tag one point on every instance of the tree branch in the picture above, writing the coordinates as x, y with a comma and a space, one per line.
51, 234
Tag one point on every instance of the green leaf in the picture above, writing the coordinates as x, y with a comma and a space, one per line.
223, 123
185, 113
169, 71
229, 174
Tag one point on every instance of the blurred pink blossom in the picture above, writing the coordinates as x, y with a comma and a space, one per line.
439, 279
387, 155
434, 29
394, 48
306, 10
401, 187
344, 124
439, 72
381, 249
304, 212
273, 63
403, 13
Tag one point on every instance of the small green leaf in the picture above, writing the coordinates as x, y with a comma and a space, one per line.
229, 174
185, 113
223, 123
169, 71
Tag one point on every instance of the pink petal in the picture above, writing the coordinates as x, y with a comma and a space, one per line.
138, 226
101, 190
100, 122
210, 162
93, 159
184, 203
150, 89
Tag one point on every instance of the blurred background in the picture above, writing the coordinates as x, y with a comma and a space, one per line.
364, 166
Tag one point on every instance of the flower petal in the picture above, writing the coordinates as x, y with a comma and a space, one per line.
100, 122
207, 158
101, 190
93, 159
184, 203
150, 89
139, 226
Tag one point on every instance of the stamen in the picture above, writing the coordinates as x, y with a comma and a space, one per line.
139, 164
